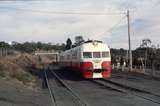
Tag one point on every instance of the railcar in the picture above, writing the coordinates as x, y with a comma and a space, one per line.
92, 59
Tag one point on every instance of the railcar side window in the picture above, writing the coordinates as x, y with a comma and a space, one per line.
105, 54
87, 55
96, 55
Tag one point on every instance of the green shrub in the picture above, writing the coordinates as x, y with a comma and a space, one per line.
22, 76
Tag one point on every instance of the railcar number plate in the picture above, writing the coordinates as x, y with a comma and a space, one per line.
96, 61
97, 75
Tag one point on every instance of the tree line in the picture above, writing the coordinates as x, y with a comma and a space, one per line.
147, 55
30, 47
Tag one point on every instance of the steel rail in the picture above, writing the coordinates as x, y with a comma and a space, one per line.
108, 86
70, 89
53, 100
132, 90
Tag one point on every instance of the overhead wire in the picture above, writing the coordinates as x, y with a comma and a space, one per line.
72, 13
64, 12
153, 6
115, 25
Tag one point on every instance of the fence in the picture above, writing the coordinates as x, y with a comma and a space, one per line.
151, 72
6, 52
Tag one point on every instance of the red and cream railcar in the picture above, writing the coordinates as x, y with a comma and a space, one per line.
92, 59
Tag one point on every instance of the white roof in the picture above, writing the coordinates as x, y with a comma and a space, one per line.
94, 46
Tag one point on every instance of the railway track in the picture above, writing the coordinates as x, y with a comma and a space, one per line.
135, 76
62, 87
128, 87
52, 96
128, 90
130, 83
108, 86
140, 95
131, 88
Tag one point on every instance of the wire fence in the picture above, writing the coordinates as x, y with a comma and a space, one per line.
6, 52
154, 71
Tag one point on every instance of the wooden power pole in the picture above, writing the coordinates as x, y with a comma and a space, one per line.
129, 42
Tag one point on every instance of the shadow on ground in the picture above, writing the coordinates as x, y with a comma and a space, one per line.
63, 73
69, 74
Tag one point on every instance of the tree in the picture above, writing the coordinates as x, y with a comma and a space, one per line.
68, 44
39, 45
4, 45
145, 43
4, 48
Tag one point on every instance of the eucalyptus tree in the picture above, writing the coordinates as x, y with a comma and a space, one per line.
146, 43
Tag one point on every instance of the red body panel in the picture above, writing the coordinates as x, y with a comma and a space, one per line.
87, 70
106, 65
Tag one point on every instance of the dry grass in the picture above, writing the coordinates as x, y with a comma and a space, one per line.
19, 66
16, 67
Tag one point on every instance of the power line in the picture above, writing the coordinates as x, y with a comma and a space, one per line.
64, 12
117, 24
114, 26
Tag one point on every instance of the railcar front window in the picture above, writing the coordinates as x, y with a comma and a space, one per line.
105, 54
96, 55
87, 55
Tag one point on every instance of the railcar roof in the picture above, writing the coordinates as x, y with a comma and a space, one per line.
89, 41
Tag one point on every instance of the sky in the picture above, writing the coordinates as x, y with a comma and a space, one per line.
56, 20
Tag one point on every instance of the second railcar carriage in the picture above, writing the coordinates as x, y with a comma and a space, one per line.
92, 59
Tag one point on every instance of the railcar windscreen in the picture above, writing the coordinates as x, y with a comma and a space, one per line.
96, 55
105, 54
87, 55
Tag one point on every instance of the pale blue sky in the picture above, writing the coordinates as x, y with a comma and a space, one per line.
36, 20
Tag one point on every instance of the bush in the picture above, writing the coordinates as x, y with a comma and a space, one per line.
22, 76
18, 67
14, 71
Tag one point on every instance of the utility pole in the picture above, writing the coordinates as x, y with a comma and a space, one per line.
129, 42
